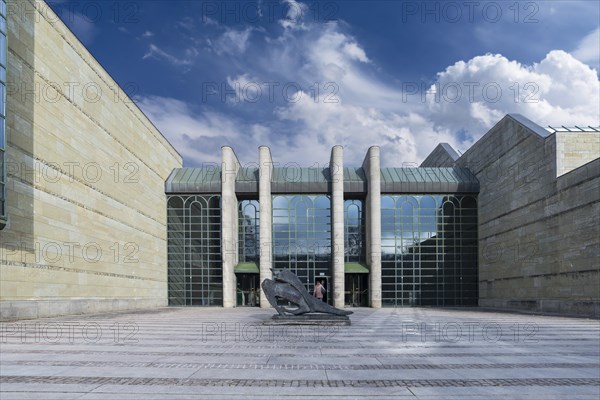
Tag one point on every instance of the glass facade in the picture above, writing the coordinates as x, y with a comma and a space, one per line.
194, 250
3, 55
429, 250
302, 236
249, 240
429, 243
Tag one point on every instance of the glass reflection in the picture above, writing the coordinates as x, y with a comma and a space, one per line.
248, 222
302, 235
429, 250
194, 250
354, 231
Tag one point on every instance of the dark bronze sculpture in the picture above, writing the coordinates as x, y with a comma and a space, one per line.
286, 285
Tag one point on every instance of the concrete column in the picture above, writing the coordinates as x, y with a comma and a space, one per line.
265, 163
229, 229
336, 166
372, 167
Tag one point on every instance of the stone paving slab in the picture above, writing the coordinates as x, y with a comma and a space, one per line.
190, 353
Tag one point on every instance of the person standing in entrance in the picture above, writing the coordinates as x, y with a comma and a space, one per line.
319, 290
252, 298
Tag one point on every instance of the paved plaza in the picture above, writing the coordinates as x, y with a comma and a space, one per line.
192, 353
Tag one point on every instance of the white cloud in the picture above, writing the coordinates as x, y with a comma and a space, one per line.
147, 34
368, 109
313, 126
295, 9
209, 21
247, 88
404, 138
559, 90
197, 136
317, 127
588, 50
295, 12
327, 54
355, 52
232, 41
188, 57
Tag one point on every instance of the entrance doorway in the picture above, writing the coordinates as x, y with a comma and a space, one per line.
357, 290
248, 290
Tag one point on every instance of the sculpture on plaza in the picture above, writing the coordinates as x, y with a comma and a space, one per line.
286, 286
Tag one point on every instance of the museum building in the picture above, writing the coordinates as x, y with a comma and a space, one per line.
512, 223
373, 236
97, 213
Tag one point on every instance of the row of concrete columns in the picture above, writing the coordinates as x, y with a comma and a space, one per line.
229, 222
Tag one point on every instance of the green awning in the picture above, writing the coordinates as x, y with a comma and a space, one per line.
246, 268
355, 268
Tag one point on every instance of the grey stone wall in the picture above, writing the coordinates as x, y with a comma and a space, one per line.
539, 244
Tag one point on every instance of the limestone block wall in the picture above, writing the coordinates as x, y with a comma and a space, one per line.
86, 207
574, 149
538, 235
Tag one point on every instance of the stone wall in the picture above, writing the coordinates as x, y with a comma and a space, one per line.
539, 246
86, 207
574, 149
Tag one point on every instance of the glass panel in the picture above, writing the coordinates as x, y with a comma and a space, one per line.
427, 243
248, 223
194, 250
354, 231
3, 50
302, 236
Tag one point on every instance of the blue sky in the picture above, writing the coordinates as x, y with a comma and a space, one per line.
301, 77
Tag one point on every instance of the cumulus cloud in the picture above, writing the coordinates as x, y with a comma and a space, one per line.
472, 95
588, 50
354, 106
404, 137
327, 54
199, 136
